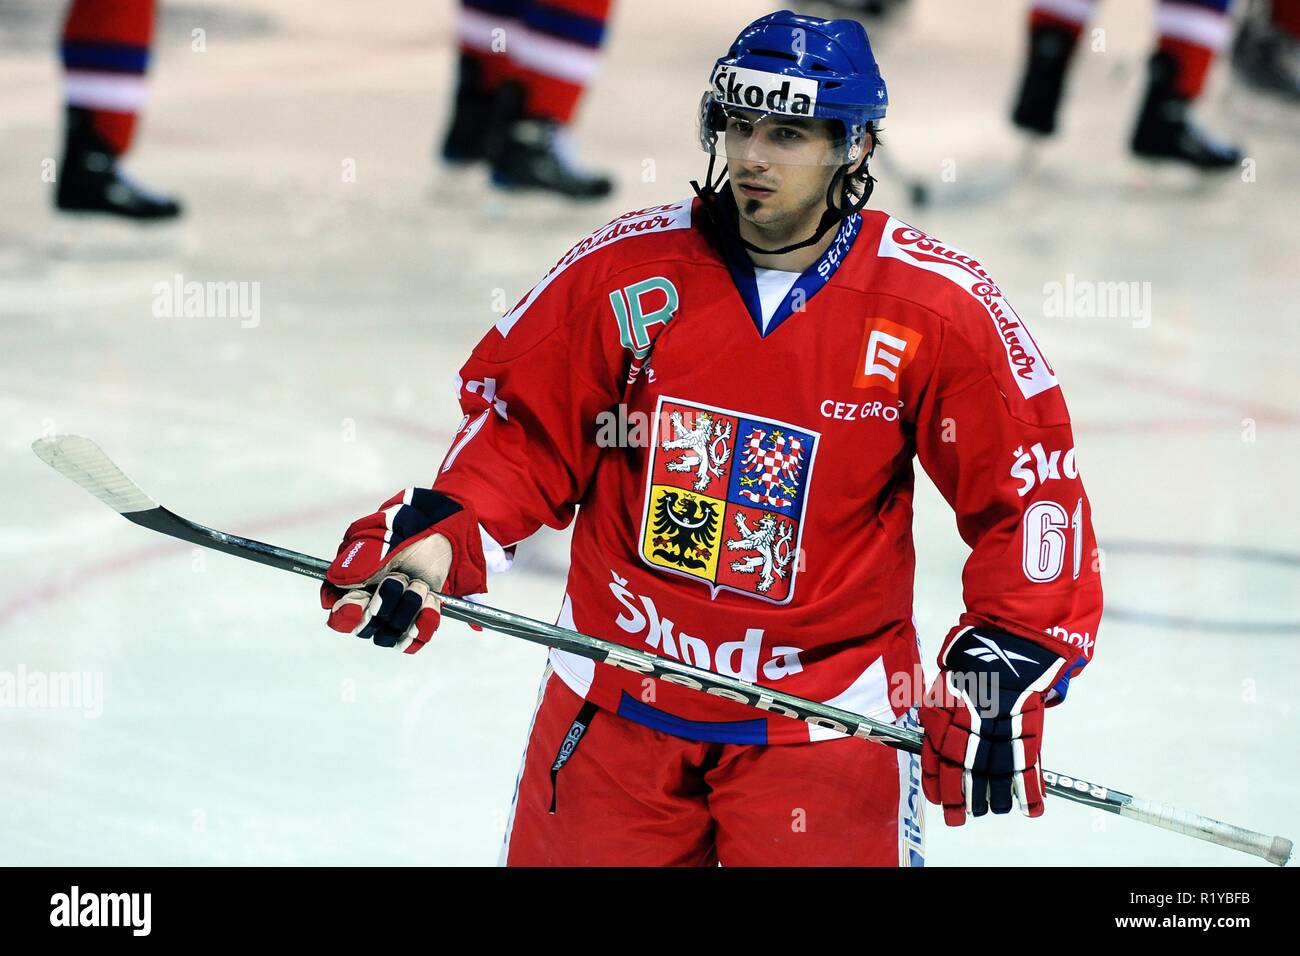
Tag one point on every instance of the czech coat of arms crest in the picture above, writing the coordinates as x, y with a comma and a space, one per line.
725, 497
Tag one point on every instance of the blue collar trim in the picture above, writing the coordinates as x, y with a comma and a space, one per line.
805, 287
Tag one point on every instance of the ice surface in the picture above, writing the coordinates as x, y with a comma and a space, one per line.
234, 728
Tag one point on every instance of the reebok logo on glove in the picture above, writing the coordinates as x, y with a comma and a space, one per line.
992, 652
352, 554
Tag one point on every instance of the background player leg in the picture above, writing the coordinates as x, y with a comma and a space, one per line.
483, 29
554, 56
105, 56
1266, 51
1054, 28
1191, 34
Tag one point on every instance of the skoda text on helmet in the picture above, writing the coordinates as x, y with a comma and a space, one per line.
785, 65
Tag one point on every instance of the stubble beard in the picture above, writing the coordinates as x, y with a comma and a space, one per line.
777, 225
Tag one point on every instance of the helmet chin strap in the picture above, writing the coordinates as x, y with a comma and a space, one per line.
833, 215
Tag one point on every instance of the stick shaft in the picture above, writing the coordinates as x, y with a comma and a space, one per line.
83, 462
1276, 850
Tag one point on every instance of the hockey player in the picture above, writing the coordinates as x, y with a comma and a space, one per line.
776, 357
522, 69
1191, 33
1266, 51
105, 52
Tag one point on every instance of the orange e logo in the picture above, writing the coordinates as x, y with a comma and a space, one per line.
887, 349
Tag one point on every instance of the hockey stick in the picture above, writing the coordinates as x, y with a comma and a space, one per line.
82, 461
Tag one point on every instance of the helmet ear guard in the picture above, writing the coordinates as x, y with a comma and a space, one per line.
861, 179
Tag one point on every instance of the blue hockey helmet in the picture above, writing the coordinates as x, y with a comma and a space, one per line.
789, 65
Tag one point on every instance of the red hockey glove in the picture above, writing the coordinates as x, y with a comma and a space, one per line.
983, 721
378, 586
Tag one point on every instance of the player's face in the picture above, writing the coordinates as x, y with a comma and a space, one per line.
780, 168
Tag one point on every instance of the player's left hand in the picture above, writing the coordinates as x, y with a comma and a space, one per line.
983, 720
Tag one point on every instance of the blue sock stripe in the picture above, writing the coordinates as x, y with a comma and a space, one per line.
564, 25
1218, 6
106, 57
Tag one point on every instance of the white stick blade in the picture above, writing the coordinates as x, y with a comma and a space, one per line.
81, 460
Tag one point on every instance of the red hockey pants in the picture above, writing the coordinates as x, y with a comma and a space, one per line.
597, 789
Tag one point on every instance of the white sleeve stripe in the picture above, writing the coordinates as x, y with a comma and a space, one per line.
471, 430
655, 219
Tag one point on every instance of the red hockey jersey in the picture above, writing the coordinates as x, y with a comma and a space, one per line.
742, 471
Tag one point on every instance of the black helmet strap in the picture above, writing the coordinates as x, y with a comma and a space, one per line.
834, 214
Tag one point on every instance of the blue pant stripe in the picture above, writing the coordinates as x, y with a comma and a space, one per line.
708, 731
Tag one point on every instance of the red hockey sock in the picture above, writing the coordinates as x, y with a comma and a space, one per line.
558, 54
1192, 34
105, 57
1286, 16
551, 47
1070, 14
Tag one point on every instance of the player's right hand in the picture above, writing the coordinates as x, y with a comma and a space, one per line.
379, 585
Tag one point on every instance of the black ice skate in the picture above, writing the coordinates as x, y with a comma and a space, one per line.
533, 153
1050, 48
1267, 59
90, 181
471, 120
1164, 130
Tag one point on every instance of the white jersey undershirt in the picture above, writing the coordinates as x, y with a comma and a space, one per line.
773, 286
